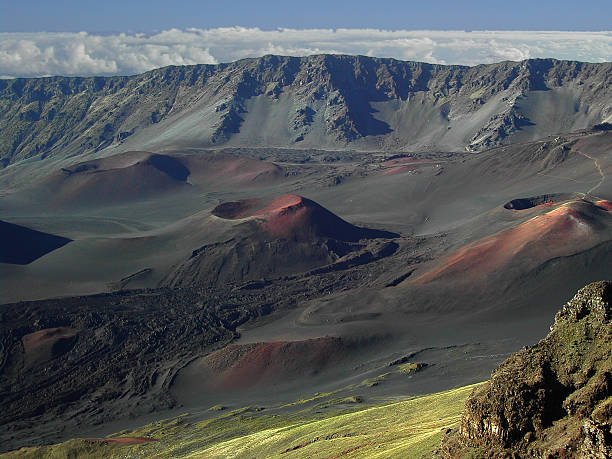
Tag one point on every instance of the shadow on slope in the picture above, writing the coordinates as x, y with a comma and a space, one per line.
20, 245
140, 175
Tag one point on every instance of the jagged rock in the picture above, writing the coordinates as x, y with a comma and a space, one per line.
344, 102
597, 440
549, 400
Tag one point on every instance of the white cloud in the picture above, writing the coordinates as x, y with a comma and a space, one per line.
39, 54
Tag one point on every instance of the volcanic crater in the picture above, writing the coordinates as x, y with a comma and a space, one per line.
545, 200
293, 216
562, 231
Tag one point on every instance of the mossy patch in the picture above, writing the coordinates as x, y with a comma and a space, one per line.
375, 381
412, 367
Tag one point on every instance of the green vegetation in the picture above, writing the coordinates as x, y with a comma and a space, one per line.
302, 401
371, 382
216, 408
551, 399
411, 367
409, 428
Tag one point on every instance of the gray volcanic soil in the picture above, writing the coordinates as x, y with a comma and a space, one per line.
446, 267
328, 102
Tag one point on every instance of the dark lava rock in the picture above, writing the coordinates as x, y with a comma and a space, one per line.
550, 400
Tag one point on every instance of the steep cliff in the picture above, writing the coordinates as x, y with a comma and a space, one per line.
550, 400
325, 101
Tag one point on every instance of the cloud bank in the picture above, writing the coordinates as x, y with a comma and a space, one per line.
84, 54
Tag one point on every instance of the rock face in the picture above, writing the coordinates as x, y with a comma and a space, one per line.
552, 399
325, 101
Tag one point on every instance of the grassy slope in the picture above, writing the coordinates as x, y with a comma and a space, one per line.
409, 428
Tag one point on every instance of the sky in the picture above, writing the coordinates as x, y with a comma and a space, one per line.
110, 37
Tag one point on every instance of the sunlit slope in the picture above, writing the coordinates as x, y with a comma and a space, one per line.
325, 101
409, 428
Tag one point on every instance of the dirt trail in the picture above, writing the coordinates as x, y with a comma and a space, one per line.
586, 155
599, 169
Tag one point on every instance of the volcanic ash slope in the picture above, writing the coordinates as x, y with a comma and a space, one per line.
271, 237
326, 101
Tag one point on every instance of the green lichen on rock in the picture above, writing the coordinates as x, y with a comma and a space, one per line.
411, 367
548, 400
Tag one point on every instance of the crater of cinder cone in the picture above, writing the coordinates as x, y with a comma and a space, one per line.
46, 336
233, 210
565, 230
545, 200
399, 170
295, 217
265, 208
46, 344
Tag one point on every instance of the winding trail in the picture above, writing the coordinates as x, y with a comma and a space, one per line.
599, 169
586, 155
561, 177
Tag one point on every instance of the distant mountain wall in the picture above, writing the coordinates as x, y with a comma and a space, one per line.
324, 101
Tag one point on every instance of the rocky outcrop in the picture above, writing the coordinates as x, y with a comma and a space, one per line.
325, 101
550, 400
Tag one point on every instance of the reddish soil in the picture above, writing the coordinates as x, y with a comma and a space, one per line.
138, 175
399, 170
560, 232
403, 165
240, 366
231, 170
401, 161
282, 204
46, 337
286, 214
605, 204
282, 216
265, 208
294, 217
122, 440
